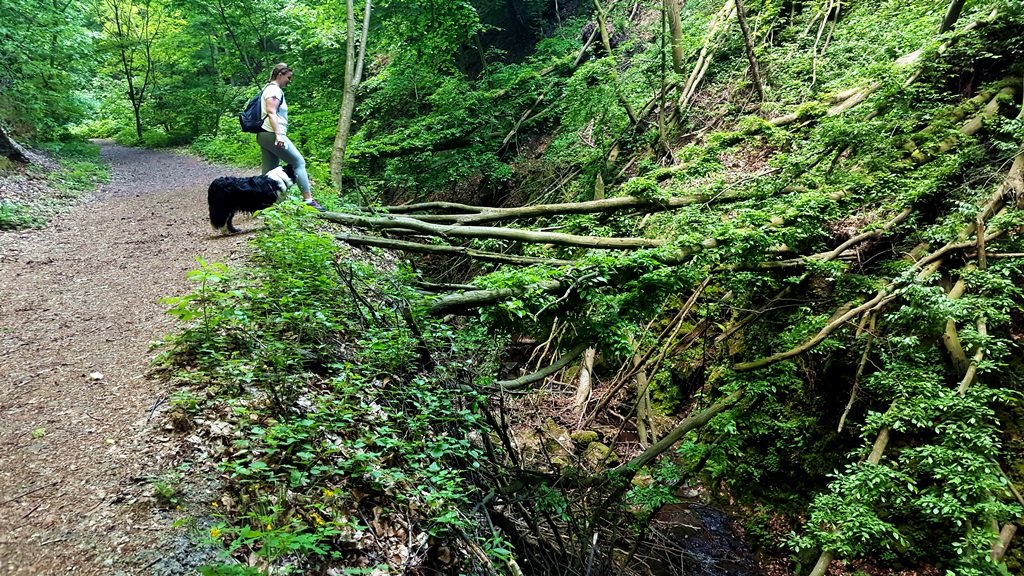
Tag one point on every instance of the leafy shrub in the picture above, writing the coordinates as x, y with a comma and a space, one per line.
229, 145
315, 423
16, 216
642, 187
72, 148
127, 137
155, 139
76, 176
97, 128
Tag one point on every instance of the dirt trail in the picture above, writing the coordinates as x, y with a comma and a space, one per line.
78, 299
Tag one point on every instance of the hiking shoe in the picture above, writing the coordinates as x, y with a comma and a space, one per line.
312, 202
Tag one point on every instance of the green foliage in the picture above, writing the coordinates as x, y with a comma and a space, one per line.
869, 38
642, 188
648, 498
310, 351
165, 487
16, 216
319, 432
79, 170
45, 58
591, 117
849, 518
155, 139
231, 145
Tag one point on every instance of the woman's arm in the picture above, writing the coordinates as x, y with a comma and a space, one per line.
270, 104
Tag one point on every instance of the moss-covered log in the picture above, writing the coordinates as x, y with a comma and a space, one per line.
513, 234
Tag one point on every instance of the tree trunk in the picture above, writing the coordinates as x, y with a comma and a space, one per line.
644, 430
692, 422
137, 109
11, 149
513, 234
585, 387
994, 205
473, 299
675, 30
481, 214
602, 27
453, 251
719, 24
952, 15
353, 77
748, 42
540, 375
1003, 542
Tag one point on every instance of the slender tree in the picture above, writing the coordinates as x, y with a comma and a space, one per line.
131, 28
353, 77
748, 43
675, 28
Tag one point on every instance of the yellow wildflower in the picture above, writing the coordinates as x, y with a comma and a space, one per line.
215, 532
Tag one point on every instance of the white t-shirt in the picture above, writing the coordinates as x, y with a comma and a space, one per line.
271, 91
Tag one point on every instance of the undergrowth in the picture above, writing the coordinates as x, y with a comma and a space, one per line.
305, 351
339, 424
79, 170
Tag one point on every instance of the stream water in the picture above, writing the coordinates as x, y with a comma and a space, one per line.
696, 539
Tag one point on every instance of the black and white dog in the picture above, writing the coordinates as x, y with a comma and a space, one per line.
229, 195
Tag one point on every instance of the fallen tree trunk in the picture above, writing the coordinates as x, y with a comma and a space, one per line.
471, 300
538, 376
1010, 185
688, 424
837, 252
479, 214
405, 246
10, 149
972, 126
952, 15
516, 235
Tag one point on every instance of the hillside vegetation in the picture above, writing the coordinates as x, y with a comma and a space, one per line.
591, 269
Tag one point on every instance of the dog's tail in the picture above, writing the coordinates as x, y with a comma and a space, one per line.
220, 211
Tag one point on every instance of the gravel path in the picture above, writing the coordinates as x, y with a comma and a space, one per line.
79, 305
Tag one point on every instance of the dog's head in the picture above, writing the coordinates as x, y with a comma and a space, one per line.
285, 175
